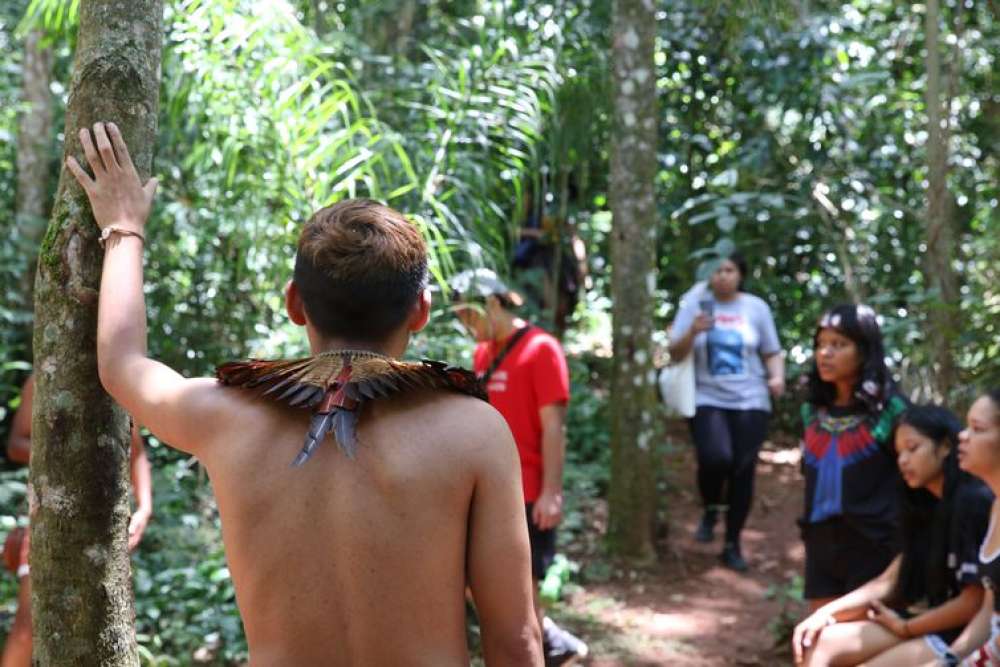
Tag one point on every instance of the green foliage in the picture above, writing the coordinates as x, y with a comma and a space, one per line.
804, 145
789, 594
184, 599
266, 115
797, 136
588, 442
13, 507
15, 251
556, 577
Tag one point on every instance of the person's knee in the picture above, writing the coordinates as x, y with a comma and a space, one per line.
716, 462
808, 658
820, 654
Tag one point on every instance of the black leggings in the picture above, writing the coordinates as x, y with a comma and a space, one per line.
727, 443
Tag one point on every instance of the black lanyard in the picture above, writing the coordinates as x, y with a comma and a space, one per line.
511, 342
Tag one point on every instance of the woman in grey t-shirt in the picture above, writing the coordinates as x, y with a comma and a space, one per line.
738, 367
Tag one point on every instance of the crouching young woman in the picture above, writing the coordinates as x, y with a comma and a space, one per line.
910, 614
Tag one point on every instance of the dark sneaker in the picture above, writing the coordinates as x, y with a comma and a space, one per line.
560, 646
706, 528
732, 558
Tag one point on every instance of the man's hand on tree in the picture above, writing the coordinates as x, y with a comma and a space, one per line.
547, 511
116, 195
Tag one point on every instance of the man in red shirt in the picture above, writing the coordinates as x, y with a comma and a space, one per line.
527, 381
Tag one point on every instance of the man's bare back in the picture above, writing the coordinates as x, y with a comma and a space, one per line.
363, 561
340, 561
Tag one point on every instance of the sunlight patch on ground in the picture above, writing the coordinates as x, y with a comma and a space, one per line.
788, 457
629, 635
673, 625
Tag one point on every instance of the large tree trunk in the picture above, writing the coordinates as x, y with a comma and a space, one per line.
31, 206
939, 269
633, 280
81, 586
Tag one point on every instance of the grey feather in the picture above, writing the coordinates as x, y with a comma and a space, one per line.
404, 380
344, 424
318, 428
351, 391
278, 386
385, 385
291, 390
307, 393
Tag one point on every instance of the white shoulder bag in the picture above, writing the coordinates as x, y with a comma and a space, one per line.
677, 387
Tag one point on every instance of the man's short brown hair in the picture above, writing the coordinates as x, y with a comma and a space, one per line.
360, 268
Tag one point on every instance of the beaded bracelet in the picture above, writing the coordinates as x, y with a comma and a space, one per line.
108, 231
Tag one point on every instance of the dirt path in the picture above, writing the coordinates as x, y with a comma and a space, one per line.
688, 610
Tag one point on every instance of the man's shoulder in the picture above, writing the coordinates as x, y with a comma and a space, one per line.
447, 408
538, 340
225, 412
456, 424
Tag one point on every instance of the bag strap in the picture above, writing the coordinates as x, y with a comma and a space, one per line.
511, 342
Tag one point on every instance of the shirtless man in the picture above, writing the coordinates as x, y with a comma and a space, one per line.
17, 648
338, 561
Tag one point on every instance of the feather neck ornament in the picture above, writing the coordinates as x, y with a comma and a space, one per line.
338, 383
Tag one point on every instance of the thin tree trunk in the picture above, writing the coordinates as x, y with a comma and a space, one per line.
34, 131
81, 586
555, 296
938, 261
633, 280
837, 230
319, 10
405, 14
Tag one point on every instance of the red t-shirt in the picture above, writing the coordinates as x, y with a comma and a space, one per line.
532, 375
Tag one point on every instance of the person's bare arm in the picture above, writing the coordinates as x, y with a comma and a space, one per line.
775, 364
851, 606
547, 512
142, 486
498, 557
681, 347
179, 411
977, 632
19, 440
954, 613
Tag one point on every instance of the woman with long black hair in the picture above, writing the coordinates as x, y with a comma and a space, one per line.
850, 521
911, 612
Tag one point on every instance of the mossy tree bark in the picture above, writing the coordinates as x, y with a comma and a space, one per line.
939, 268
81, 586
633, 279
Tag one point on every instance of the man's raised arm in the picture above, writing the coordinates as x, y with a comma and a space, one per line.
177, 410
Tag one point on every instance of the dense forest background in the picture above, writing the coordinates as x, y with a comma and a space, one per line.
798, 132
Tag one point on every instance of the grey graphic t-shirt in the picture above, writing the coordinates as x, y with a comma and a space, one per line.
729, 371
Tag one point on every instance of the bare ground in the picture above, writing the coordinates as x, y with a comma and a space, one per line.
687, 609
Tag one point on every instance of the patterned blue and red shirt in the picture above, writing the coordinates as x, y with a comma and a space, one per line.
850, 467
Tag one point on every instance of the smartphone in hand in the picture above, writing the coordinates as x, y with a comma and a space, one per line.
707, 307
